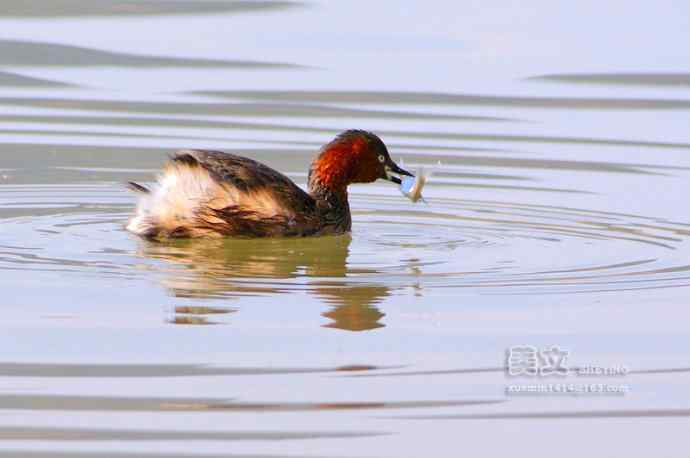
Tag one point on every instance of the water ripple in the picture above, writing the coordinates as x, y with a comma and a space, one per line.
452, 243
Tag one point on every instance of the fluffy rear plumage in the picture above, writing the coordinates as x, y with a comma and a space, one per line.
193, 199
172, 207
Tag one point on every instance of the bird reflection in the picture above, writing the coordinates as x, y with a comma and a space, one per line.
233, 268
355, 310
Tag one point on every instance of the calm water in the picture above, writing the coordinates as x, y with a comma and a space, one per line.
558, 216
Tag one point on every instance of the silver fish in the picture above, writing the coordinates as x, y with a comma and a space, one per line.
411, 187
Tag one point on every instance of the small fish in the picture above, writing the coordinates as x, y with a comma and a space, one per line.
411, 187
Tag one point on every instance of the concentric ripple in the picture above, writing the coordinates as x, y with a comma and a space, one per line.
500, 247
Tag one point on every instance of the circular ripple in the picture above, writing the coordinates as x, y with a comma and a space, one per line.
500, 247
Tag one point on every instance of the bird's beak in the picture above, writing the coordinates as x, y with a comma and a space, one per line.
392, 170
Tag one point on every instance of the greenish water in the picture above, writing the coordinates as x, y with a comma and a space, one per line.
558, 217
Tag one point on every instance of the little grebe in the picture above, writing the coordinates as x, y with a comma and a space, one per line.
213, 194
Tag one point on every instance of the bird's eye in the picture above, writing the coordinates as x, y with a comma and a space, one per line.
382, 159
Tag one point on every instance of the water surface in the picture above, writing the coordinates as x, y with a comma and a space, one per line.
557, 216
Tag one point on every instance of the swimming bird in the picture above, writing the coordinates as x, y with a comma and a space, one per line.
204, 193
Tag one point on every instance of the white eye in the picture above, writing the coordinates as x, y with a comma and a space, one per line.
382, 159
